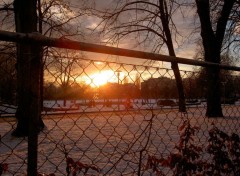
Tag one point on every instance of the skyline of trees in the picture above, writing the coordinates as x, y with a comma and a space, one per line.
219, 26
50, 18
150, 22
153, 24
214, 17
160, 87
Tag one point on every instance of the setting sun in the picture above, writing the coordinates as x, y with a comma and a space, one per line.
101, 78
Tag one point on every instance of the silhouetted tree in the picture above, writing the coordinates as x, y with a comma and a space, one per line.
7, 74
153, 25
28, 71
213, 28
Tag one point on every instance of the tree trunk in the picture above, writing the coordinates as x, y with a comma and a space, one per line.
28, 71
214, 108
212, 43
165, 23
181, 95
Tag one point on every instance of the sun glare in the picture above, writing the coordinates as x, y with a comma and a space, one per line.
101, 78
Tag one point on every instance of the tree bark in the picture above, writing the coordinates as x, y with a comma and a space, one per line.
28, 71
212, 43
165, 23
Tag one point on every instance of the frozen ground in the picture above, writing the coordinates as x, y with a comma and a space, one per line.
110, 140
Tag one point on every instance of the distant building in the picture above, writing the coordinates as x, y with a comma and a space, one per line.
161, 87
115, 90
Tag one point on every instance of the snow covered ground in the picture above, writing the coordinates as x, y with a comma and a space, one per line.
110, 139
71, 106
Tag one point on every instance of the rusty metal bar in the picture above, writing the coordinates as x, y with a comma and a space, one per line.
70, 44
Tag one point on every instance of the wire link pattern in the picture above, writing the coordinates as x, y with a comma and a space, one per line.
109, 115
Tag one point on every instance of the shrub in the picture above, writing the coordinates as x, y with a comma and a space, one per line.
224, 152
166, 103
3, 168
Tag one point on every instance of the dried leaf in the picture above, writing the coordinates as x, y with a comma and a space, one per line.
3, 168
182, 127
165, 163
70, 161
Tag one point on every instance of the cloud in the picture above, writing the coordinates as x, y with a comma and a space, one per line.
87, 22
184, 25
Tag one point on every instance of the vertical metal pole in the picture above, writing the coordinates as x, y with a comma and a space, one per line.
32, 148
28, 61
35, 109
118, 74
118, 79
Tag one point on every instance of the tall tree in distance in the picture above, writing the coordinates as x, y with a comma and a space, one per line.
152, 24
214, 16
57, 18
137, 81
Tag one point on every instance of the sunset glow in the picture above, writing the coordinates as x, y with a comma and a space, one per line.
101, 78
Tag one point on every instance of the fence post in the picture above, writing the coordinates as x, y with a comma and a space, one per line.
28, 61
35, 109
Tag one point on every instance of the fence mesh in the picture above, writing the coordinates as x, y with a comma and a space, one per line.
108, 118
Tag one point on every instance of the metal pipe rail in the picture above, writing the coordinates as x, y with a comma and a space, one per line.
89, 47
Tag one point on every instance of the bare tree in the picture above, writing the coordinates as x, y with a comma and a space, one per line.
152, 22
7, 75
28, 71
54, 19
65, 67
6, 20
49, 18
137, 81
214, 17
231, 40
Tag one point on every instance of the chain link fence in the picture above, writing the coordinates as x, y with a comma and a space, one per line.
107, 116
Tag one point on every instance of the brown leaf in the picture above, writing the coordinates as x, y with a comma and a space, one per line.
182, 127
